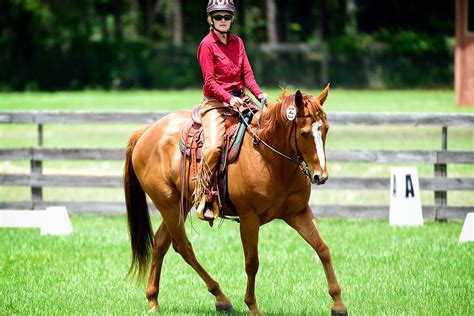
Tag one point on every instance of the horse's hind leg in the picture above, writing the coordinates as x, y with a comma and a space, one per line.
161, 245
182, 245
305, 224
249, 229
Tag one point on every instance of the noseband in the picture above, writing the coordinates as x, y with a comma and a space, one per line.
301, 163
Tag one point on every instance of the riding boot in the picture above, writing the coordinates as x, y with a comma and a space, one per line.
208, 208
200, 208
211, 210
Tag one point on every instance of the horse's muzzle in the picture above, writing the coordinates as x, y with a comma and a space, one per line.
319, 179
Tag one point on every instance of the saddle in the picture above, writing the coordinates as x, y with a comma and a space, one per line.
191, 142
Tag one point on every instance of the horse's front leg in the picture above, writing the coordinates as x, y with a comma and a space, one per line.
305, 224
249, 227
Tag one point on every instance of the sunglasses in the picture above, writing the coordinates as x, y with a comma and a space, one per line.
219, 17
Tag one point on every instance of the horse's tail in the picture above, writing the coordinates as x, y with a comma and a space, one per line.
139, 223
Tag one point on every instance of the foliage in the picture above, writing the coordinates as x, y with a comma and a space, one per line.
99, 65
123, 44
392, 60
417, 59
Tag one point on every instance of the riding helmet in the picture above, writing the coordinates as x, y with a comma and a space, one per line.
220, 5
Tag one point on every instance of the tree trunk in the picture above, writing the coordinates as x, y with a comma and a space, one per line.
135, 8
283, 19
149, 18
118, 25
178, 24
351, 18
306, 19
240, 7
323, 21
272, 34
104, 29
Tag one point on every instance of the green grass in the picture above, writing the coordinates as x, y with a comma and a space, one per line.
381, 269
339, 100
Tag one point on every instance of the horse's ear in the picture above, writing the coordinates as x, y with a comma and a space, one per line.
322, 97
298, 99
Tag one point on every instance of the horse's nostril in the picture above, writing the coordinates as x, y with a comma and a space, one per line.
315, 178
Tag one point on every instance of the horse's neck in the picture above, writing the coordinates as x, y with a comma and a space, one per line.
276, 137
272, 132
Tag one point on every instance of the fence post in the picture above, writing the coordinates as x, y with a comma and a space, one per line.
324, 64
441, 197
37, 169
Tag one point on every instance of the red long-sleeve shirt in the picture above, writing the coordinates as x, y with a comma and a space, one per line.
225, 67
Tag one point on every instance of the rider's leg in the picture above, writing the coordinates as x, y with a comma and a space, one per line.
212, 118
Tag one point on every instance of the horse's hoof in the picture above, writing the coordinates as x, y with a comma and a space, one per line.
154, 309
225, 308
334, 313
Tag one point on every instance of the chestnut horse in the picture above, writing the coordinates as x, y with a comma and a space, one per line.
295, 128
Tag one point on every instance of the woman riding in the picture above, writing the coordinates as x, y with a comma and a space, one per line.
226, 71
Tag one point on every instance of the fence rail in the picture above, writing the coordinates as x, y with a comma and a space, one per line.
336, 183
439, 184
336, 118
381, 156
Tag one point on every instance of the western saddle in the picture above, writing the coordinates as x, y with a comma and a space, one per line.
191, 141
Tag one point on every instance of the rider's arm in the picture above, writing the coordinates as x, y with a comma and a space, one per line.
206, 61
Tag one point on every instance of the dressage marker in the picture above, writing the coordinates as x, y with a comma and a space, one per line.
467, 233
52, 221
405, 202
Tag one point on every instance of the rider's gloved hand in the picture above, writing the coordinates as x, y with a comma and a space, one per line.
235, 102
263, 97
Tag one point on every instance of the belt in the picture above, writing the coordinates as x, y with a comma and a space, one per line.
237, 93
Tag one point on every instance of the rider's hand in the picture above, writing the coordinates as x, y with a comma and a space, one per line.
263, 97
235, 102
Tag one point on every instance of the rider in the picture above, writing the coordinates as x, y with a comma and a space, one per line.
226, 71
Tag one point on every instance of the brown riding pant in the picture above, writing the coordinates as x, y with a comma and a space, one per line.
212, 118
213, 122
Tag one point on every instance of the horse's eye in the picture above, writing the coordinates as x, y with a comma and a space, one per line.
303, 133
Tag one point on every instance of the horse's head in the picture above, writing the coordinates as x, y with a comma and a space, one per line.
308, 133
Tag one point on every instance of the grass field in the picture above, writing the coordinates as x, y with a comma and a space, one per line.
339, 100
382, 270
340, 137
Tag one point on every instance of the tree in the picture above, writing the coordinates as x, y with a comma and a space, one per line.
178, 24
272, 34
323, 21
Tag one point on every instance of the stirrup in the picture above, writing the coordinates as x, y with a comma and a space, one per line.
203, 206
200, 208
212, 206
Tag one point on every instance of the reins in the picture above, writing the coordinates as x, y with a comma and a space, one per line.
299, 161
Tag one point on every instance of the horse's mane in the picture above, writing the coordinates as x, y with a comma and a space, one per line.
274, 119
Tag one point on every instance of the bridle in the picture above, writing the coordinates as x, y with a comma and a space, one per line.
301, 163
299, 160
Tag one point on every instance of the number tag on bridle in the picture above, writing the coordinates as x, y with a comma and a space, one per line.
291, 113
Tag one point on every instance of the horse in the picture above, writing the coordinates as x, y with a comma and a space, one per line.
286, 142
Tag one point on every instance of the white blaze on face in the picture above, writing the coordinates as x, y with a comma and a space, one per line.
318, 139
